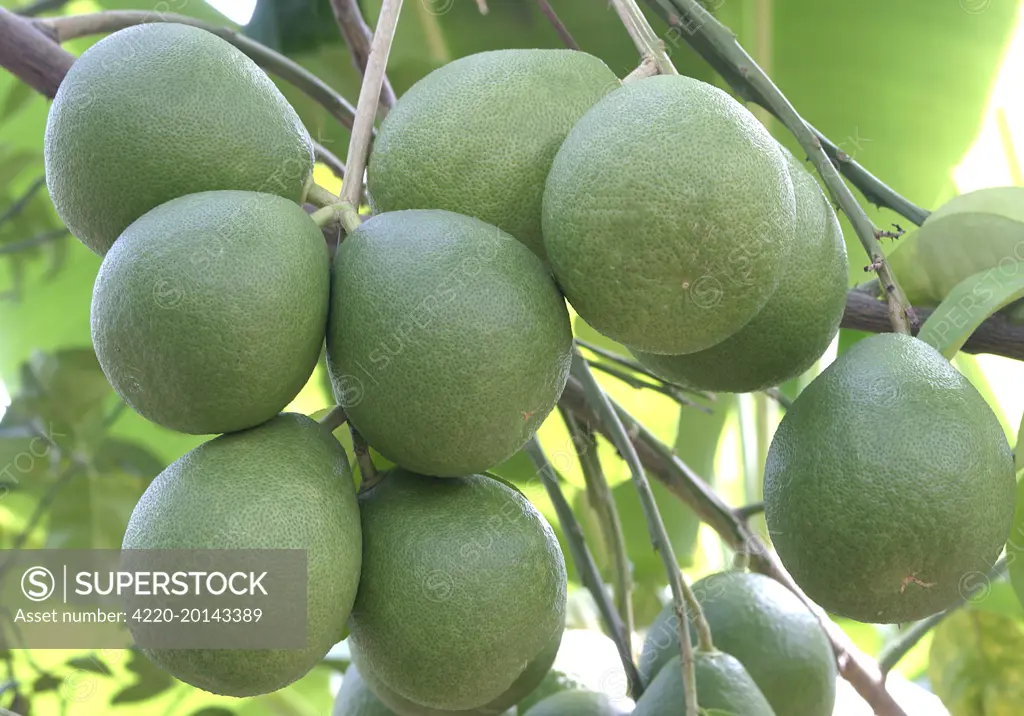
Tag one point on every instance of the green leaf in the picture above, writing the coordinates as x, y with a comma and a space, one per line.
45, 682
17, 96
92, 664
128, 457
977, 664
92, 511
213, 711
151, 681
969, 303
998, 598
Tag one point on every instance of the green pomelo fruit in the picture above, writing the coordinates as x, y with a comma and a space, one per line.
722, 683
768, 629
502, 705
478, 136
463, 586
888, 483
221, 496
969, 234
355, 698
796, 325
574, 703
448, 343
158, 111
209, 313
668, 215
554, 682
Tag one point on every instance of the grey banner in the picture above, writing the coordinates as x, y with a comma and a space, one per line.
157, 599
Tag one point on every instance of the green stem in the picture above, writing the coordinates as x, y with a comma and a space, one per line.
318, 196
681, 593
367, 469
603, 502
335, 418
637, 367
341, 211
585, 566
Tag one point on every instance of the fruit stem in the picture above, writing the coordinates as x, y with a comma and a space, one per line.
892, 654
647, 68
585, 566
600, 496
341, 211
356, 34
318, 196
646, 40
718, 45
334, 418
682, 595
366, 467
369, 94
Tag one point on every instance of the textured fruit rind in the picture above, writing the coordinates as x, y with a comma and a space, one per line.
722, 683
768, 629
463, 585
796, 325
574, 703
668, 215
888, 483
158, 111
221, 496
972, 232
448, 342
209, 313
478, 136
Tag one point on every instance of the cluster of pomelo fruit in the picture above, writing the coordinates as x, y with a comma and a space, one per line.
502, 184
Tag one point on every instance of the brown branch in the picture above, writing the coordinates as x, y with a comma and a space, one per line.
556, 22
357, 36
30, 55
658, 459
997, 335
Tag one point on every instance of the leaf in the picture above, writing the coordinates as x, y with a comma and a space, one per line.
151, 681
997, 598
92, 511
213, 711
129, 457
969, 303
92, 664
17, 96
977, 664
45, 682
293, 26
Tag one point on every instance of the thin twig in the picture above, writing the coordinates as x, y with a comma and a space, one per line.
367, 469
892, 654
699, 23
557, 24
682, 596
660, 460
334, 418
779, 397
643, 35
748, 511
19, 204
357, 36
646, 68
33, 241
659, 386
69, 27
603, 502
637, 367
326, 157
320, 197
369, 93
585, 565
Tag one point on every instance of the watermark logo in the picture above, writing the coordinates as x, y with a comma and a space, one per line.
38, 583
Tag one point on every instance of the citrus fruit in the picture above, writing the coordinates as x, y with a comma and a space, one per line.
502, 705
157, 111
768, 629
574, 703
209, 313
478, 135
355, 698
463, 586
448, 343
555, 681
222, 496
722, 683
796, 325
888, 483
668, 215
